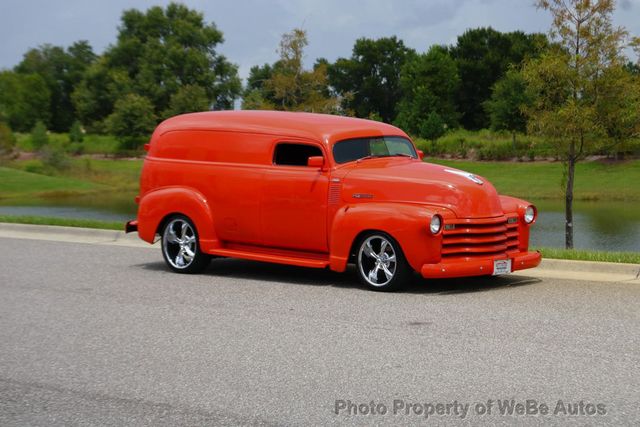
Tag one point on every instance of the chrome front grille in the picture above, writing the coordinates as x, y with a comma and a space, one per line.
479, 238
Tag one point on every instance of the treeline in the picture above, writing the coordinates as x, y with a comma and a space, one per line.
424, 93
165, 62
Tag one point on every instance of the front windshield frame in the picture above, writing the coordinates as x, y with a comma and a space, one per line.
366, 152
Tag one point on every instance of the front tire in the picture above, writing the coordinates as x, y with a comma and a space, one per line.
380, 262
181, 246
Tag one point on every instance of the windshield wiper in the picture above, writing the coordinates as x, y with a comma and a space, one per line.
377, 156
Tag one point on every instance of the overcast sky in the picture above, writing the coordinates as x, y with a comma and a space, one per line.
252, 28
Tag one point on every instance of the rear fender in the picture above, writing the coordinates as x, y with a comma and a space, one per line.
157, 205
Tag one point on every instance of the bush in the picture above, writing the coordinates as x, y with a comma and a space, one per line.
54, 156
76, 133
7, 142
39, 136
33, 166
74, 148
496, 150
487, 145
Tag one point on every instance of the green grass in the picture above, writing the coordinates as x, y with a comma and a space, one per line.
123, 175
84, 175
100, 144
542, 180
584, 255
92, 144
18, 183
66, 222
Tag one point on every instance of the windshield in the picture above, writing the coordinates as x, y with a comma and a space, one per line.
379, 146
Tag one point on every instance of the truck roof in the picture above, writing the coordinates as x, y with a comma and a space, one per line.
323, 127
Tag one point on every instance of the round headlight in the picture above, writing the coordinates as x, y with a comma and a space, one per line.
436, 224
529, 214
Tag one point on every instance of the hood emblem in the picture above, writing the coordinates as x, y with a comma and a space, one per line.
467, 175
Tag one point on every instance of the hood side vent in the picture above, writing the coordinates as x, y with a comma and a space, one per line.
335, 188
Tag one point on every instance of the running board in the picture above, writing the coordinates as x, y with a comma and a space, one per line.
270, 257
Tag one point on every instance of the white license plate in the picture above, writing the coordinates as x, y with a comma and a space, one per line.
501, 266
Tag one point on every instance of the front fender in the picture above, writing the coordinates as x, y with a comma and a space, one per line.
156, 205
407, 223
512, 204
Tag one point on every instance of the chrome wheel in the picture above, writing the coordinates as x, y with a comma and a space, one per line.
377, 260
179, 243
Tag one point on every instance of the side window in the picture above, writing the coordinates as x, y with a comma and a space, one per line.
294, 154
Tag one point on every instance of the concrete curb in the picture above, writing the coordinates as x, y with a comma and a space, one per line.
585, 270
72, 235
549, 268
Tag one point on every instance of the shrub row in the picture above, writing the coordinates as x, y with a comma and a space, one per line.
489, 145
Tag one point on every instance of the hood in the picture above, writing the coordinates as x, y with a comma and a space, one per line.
406, 180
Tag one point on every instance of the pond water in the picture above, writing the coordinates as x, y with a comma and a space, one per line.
105, 207
611, 226
600, 225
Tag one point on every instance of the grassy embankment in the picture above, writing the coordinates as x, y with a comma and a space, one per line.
29, 178
84, 177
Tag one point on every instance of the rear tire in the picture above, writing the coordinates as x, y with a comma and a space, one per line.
380, 262
181, 246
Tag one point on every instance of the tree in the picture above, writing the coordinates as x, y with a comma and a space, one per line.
429, 84
619, 106
509, 99
157, 53
24, 99
97, 93
633, 68
582, 93
369, 81
132, 121
257, 95
432, 127
483, 56
39, 136
188, 99
61, 70
287, 85
255, 99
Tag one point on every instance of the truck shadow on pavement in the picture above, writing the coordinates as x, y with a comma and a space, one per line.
266, 272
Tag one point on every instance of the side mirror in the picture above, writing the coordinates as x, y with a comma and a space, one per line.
315, 162
420, 154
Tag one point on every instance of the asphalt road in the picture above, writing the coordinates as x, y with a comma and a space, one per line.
107, 335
